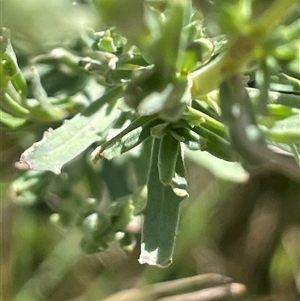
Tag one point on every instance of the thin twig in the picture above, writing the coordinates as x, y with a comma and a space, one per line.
210, 294
153, 292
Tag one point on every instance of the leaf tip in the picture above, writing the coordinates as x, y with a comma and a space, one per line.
151, 258
182, 193
56, 170
22, 165
26, 162
95, 155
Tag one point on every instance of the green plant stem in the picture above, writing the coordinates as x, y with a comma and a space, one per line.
241, 50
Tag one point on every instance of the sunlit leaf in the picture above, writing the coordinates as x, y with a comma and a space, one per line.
61, 145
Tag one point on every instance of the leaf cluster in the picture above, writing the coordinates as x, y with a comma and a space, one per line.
221, 77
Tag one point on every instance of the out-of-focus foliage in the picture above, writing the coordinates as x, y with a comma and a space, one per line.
113, 106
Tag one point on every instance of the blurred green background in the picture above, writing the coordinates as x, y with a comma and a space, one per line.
246, 229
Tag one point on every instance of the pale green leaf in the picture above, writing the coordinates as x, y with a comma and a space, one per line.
64, 143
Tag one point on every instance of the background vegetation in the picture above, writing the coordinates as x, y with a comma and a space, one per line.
217, 80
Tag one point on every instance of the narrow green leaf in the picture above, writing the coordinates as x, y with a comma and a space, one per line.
196, 117
160, 217
64, 143
45, 109
11, 106
214, 144
167, 158
10, 121
10, 65
179, 182
189, 137
134, 134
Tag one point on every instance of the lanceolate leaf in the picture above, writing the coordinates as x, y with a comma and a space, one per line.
214, 144
134, 134
61, 145
160, 217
